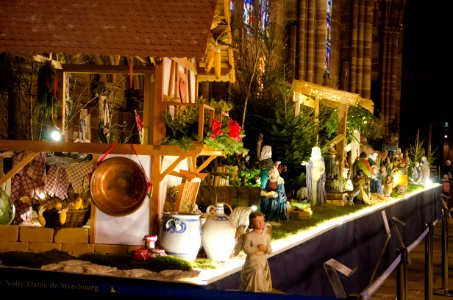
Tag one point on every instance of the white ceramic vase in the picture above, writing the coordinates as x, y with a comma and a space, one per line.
180, 235
218, 235
7, 209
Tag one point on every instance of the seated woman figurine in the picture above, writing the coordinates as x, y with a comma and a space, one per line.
278, 208
273, 195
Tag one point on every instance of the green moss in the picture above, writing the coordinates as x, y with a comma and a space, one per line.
125, 261
120, 261
33, 260
321, 213
168, 263
205, 263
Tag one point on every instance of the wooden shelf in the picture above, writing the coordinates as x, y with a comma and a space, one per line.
98, 148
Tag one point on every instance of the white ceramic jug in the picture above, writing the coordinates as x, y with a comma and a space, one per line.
218, 235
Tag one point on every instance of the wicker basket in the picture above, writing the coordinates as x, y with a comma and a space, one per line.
74, 218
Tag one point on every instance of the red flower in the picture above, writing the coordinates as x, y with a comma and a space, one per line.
216, 130
234, 130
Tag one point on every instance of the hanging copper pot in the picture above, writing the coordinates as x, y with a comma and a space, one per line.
118, 186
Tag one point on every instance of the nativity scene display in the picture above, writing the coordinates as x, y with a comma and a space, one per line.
226, 195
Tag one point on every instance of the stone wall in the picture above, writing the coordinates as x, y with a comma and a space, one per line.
75, 241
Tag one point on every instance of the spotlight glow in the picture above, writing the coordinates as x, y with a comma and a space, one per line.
55, 135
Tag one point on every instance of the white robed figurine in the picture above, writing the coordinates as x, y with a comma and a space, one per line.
424, 165
316, 177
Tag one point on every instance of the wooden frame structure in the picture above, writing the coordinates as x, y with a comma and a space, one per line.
311, 94
166, 79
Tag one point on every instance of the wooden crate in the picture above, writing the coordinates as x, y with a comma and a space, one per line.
299, 214
338, 202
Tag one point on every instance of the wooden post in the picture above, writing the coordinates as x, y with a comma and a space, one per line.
155, 210
157, 132
157, 122
342, 120
296, 99
148, 92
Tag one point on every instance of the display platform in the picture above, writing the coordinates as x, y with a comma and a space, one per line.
359, 241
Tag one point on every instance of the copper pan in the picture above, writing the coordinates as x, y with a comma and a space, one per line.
118, 186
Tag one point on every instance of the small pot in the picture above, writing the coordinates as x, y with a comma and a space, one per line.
140, 254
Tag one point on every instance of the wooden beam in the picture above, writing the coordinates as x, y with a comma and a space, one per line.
42, 59
336, 97
28, 158
171, 167
191, 175
187, 64
205, 163
47, 146
105, 69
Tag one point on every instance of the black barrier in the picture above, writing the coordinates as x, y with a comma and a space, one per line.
429, 262
400, 264
376, 284
444, 291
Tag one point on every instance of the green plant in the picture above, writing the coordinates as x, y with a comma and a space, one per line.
220, 106
249, 177
358, 118
417, 150
182, 127
244, 176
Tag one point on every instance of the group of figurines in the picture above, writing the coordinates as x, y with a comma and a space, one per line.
372, 172
375, 172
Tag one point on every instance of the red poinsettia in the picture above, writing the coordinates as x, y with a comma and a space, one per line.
216, 129
234, 130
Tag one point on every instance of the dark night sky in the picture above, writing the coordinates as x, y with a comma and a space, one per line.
425, 95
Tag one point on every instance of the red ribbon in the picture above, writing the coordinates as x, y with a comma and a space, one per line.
106, 153
148, 182
55, 85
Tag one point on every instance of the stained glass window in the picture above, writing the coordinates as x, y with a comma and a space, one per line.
256, 10
328, 36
